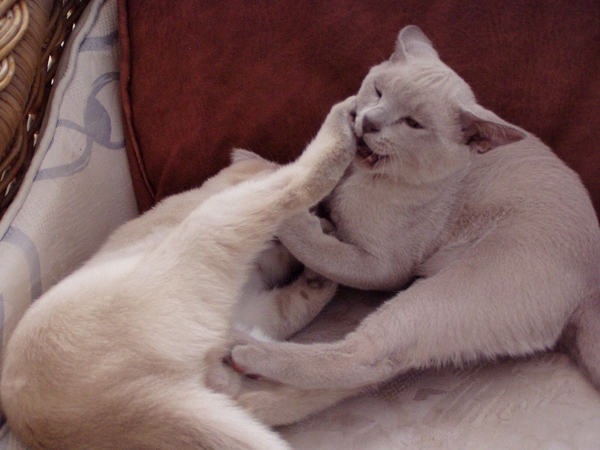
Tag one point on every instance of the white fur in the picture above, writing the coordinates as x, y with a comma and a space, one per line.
126, 353
501, 233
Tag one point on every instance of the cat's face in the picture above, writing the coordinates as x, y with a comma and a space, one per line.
412, 120
407, 122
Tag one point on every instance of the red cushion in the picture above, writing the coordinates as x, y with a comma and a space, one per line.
199, 78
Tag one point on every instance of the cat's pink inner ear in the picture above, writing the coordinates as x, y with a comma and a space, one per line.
484, 135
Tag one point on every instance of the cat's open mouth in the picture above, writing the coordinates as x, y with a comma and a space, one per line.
366, 155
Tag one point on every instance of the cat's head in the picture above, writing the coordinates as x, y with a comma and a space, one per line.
417, 120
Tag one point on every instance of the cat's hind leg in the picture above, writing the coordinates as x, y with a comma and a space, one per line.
274, 307
299, 302
217, 243
282, 311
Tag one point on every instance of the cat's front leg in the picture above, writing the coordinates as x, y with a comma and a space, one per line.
343, 262
351, 363
271, 402
468, 311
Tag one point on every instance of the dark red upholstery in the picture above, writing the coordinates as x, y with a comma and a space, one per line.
201, 77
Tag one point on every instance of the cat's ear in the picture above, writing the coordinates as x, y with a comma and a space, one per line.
413, 42
483, 135
239, 154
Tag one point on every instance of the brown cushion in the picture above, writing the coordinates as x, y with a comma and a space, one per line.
199, 78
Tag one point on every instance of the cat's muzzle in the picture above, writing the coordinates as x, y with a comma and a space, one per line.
367, 156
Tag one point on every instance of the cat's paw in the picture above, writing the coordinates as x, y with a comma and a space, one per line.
289, 363
344, 364
340, 123
317, 281
298, 227
246, 358
220, 376
241, 342
327, 227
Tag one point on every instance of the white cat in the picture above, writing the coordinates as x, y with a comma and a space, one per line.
499, 236
119, 354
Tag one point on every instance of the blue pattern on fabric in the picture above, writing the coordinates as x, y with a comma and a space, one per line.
97, 128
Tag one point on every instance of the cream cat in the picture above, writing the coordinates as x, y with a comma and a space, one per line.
118, 355
499, 236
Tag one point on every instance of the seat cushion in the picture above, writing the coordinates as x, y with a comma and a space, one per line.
77, 188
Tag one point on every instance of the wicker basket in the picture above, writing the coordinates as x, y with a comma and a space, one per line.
32, 37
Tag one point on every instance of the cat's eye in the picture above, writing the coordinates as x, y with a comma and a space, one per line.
413, 123
378, 92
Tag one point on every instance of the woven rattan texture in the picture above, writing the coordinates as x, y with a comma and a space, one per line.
13, 25
23, 101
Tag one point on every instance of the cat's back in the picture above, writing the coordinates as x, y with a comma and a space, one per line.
526, 192
528, 177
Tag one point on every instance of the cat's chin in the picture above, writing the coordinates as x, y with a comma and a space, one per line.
367, 157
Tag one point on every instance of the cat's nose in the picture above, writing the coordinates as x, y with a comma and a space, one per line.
368, 126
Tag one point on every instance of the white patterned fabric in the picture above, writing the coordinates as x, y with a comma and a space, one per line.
79, 190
